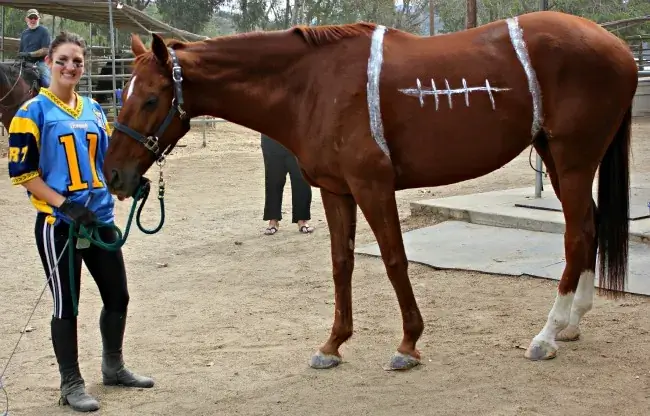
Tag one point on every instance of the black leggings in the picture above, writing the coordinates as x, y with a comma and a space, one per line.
106, 267
277, 163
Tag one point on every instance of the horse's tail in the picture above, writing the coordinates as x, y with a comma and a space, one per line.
614, 210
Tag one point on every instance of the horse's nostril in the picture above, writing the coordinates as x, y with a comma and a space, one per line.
115, 178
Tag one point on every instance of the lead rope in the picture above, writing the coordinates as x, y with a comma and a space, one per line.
92, 235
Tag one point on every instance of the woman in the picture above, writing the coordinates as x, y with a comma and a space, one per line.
57, 142
278, 161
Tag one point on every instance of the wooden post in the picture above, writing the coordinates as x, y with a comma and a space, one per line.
470, 21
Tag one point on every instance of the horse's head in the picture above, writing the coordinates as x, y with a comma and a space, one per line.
18, 83
152, 119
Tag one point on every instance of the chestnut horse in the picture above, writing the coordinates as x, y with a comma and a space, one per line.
369, 110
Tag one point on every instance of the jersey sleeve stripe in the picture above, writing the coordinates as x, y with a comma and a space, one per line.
25, 125
24, 178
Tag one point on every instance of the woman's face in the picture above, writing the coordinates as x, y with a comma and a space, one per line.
67, 65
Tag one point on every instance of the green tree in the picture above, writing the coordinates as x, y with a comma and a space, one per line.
452, 12
189, 15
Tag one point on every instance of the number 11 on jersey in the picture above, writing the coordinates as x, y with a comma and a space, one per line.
72, 156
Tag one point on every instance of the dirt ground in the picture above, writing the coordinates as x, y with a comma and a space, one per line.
225, 318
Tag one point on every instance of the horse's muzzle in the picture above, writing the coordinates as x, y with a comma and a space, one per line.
122, 183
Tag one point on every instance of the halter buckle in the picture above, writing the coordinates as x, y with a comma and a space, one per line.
151, 143
177, 74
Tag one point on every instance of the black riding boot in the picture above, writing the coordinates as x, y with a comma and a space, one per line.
111, 325
73, 390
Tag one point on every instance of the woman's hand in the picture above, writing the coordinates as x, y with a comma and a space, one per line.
77, 212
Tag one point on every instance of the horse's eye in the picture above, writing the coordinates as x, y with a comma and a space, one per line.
151, 102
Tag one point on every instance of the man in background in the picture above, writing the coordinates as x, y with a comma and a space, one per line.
34, 44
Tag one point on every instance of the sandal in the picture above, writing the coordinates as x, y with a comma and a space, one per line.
271, 230
306, 229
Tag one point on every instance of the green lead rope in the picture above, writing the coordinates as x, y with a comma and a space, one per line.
91, 233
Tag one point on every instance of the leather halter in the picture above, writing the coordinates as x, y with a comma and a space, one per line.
151, 142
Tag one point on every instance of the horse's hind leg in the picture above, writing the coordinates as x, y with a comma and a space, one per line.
575, 187
584, 295
341, 214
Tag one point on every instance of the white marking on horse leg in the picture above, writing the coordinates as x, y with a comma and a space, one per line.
517, 39
131, 86
582, 303
543, 346
421, 93
374, 69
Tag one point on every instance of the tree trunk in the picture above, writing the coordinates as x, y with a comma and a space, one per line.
432, 17
471, 14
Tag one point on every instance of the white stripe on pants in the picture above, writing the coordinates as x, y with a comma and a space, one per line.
52, 262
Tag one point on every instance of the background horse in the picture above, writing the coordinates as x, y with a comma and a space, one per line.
369, 110
106, 84
18, 83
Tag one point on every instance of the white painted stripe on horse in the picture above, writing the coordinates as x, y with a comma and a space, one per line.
375, 62
130, 90
517, 39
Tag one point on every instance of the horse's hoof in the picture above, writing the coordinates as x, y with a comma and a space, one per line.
540, 350
570, 333
401, 361
321, 361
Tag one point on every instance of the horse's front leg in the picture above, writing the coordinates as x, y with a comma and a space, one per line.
341, 214
376, 198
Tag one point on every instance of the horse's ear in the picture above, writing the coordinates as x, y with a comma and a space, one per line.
137, 46
159, 48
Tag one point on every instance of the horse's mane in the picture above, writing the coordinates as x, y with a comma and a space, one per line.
323, 35
313, 36
8, 74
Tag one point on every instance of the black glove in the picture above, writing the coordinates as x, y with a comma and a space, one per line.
77, 212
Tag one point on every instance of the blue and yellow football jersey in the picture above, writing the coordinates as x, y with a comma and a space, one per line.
66, 147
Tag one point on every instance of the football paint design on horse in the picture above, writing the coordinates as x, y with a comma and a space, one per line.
374, 70
420, 92
517, 39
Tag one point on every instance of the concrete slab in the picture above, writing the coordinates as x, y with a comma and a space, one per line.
508, 251
639, 198
641, 100
518, 208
